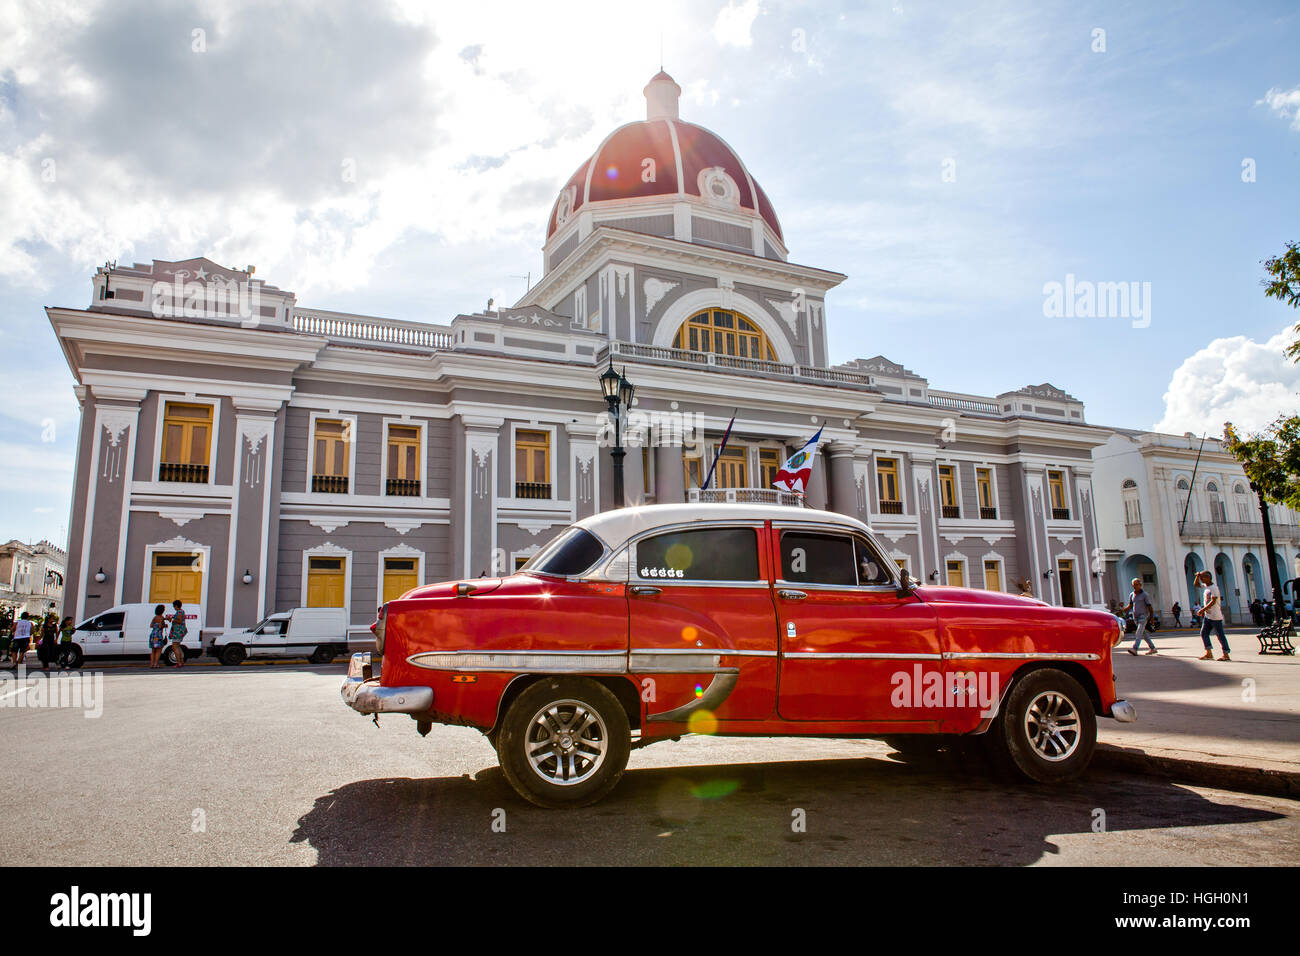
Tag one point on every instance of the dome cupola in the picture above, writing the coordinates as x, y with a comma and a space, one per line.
645, 168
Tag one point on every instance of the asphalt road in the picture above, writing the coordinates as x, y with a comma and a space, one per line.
265, 765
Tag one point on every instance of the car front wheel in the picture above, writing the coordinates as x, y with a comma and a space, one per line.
232, 655
1047, 729
564, 742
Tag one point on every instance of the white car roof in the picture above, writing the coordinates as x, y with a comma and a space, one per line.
616, 527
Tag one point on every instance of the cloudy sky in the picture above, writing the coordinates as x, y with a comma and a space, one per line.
954, 163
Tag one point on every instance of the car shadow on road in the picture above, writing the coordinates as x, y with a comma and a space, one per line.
855, 812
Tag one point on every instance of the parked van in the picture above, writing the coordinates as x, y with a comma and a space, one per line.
318, 633
123, 632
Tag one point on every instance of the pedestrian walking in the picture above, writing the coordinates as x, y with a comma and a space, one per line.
1211, 616
6, 633
178, 632
22, 637
47, 650
1139, 602
1177, 612
157, 636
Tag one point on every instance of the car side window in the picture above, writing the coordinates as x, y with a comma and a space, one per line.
816, 557
873, 569
699, 554
105, 622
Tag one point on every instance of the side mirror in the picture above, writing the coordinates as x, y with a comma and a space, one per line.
906, 584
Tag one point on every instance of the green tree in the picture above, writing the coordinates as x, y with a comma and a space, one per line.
1271, 460
1283, 284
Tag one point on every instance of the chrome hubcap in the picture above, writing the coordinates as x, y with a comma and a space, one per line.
1052, 726
567, 742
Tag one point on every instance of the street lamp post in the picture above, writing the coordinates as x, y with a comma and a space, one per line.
618, 392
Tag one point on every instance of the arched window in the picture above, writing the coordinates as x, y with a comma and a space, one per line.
1132, 508
1217, 511
1243, 501
724, 333
1184, 494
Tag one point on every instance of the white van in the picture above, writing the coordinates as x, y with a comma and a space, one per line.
123, 632
318, 633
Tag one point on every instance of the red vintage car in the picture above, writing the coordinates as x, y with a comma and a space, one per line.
644, 624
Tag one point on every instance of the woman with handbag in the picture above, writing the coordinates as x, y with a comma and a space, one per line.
157, 636
178, 632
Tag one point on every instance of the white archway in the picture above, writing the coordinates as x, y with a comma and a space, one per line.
701, 299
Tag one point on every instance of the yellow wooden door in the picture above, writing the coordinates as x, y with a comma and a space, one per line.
400, 576
176, 576
325, 582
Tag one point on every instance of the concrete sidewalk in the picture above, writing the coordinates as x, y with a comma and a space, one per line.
1234, 724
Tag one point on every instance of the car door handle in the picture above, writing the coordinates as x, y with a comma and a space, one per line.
791, 595
645, 589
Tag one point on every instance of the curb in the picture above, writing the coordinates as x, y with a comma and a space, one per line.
1257, 780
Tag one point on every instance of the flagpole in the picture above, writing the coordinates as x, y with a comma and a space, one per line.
718, 454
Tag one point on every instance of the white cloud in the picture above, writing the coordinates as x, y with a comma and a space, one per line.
1234, 380
732, 28
1285, 103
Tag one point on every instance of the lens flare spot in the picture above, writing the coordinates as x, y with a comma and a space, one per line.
702, 722
611, 172
679, 556
690, 633
714, 789
699, 690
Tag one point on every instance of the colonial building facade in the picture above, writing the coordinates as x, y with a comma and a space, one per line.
250, 455
31, 577
1169, 507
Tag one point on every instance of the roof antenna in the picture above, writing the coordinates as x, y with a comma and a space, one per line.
661, 51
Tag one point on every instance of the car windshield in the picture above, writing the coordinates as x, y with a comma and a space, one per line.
571, 552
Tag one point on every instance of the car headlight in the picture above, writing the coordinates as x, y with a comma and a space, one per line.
1119, 633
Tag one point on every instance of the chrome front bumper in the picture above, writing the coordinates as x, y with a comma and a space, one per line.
1123, 711
363, 693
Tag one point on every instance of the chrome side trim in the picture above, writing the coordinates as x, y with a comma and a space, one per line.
1020, 655
523, 662
854, 656
673, 660
725, 652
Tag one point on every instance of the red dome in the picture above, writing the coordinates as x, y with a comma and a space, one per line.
662, 156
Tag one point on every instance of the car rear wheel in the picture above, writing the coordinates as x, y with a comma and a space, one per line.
232, 655
1047, 730
322, 655
564, 742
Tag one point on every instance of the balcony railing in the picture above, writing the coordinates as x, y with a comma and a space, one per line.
744, 496
402, 487
891, 507
1248, 530
988, 514
963, 404
194, 474
1133, 529
370, 330
951, 511
1060, 514
330, 484
533, 489
659, 353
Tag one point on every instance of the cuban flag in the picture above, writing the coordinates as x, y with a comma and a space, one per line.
794, 474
